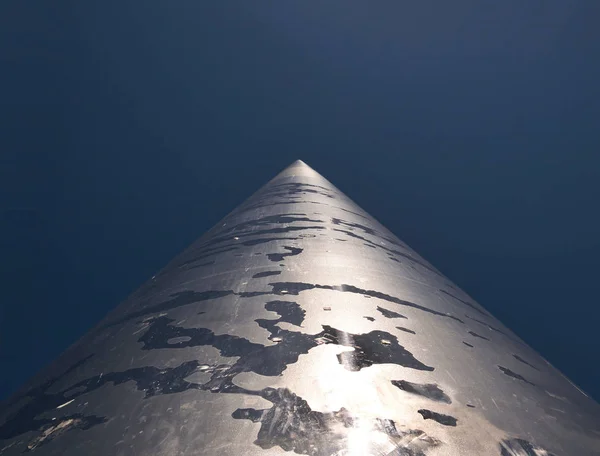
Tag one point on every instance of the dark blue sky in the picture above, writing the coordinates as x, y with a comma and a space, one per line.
471, 129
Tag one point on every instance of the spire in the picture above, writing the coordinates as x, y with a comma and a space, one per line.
299, 325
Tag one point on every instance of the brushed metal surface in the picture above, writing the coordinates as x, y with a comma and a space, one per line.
299, 324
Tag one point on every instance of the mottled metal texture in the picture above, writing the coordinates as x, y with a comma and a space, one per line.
300, 325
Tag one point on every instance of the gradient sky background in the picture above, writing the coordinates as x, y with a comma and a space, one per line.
471, 129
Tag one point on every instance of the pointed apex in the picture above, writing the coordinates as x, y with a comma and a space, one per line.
298, 167
298, 171
297, 163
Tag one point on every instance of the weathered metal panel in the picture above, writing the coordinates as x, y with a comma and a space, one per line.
299, 324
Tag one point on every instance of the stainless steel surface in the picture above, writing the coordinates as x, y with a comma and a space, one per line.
300, 325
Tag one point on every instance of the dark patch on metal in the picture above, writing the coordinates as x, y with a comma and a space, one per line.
488, 325
294, 188
293, 426
391, 251
287, 203
515, 375
341, 240
265, 274
351, 234
477, 335
446, 420
201, 265
389, 313
291, 217
368, 348
39, 391
245, 229
410, 331
288, 192
518, 358
520, 447
70, 392
201, 257
427, 390
289, 312
287, 229
236, 233
177, 340
250, 242
151, 380
466, 303
280, 256
467, 344
369, 318
368, 230
376, 347
352, 212
295, 288
179, 299
470, 406
279, 203
253, 242
278, 288
52, 431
